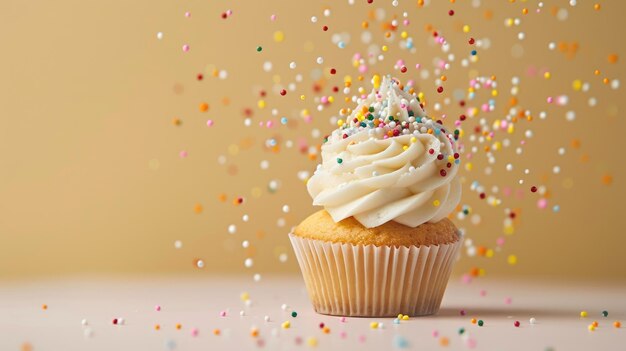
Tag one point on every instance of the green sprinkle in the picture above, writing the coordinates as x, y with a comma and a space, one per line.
390, 118
259, 48
461, 331
605, 313
411, 113
371, 109
294, 314
339, 160
370, 116
480, 323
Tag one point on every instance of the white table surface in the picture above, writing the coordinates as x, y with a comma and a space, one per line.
196, 302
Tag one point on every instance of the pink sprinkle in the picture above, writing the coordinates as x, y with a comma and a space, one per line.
406, 22
223, 314
209, 123
194, 332
157, 308
500, 241
550, 99
269, 124
343, 334
542, 203
273, 18
508, 300
185, 48
466, 278
471, 343
183, 154
298, 340
229, 12
417, 66
342, 319
435, 333
260, 342
361, 338
187, 14
483, 293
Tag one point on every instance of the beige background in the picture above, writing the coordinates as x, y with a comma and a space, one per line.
91, 181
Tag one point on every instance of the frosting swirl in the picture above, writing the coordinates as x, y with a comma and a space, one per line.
388, 161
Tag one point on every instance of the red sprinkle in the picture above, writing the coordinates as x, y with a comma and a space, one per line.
472, 41
283, 92
533, 189
431, 151
333, 71
516, 324
451, 12
440, 90
200, 76
325, 28
443, 172
403, 69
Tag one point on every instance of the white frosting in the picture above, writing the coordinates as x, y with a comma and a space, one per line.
377, 178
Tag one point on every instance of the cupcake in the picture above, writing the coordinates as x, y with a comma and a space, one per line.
383, 244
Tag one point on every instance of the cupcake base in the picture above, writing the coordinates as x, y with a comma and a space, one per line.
344, 279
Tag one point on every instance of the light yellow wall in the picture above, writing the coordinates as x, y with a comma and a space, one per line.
91, 181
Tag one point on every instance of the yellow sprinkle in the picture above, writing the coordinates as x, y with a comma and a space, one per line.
302, 97
512, 259
244, 296
331, 99
436, 203
591, 327
494, 93
468, 166
405, 147
385, 48
466, 28
261, 104
340, 122
450, 158
374, 325
405, 318
547, 75
311, 341
404, 35
279, 36
509, 230
413, 139
577, 85
489, 253
375, 82
583, 314
286, 325
400, 316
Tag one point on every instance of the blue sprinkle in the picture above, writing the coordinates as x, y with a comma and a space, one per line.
341, 45
457, 161
396, 321
556, 208
283, 120
400, 342
473, 52
437, 131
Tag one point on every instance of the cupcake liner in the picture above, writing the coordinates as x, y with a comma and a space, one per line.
374, 281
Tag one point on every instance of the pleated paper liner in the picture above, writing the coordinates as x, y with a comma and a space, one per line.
374, 281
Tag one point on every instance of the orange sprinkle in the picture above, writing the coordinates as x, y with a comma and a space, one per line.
443, 341
595, 324
176, 121
364, 24
607, 179
216, 332
613, 58
326, 330
204, 107
254, 332
157, 327
44, 307
197, 208
178, 326
617, 324
575, 143
596, 7
473, 321
596, 72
